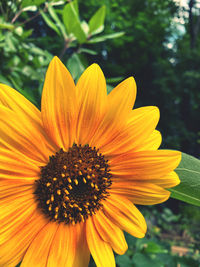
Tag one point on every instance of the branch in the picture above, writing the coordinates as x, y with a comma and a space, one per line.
31, 18
191, 24
16, 16
66, 45
196, 28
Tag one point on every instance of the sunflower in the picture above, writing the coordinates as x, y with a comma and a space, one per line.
71, 174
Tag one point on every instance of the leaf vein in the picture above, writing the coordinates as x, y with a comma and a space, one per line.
177, 192
184, 169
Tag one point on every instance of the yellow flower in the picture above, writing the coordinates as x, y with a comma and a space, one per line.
69, 175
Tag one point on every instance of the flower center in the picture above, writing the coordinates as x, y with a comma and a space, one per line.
73, 184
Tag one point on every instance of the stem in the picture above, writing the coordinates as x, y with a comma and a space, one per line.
33, 17
1, 7
16, 16
66, 45
29, 19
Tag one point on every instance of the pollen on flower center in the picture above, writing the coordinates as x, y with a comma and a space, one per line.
73, 184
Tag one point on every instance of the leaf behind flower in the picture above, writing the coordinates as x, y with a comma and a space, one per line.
189, 173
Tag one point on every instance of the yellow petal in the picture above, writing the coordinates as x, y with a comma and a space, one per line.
15, 195
142, 123
59, 104
101, 251
110, 233
39, 249
19, 222
145, 165
124, 214
82, 253
13, 100
120, 103
17, 242
167, 181
122, 97
139, 128
23, 138
140, 192
13, 217
91, 88
16, 102
153, 142
11, 187
62, 250
16, 166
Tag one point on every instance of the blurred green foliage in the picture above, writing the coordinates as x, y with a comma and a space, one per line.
156, 50
164, 232
33, 31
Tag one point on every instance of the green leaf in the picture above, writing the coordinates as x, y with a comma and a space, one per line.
88, 51
85, 27
30, 8
72, 22
152, 247
4, 80
109, 88
26, 3
19, 31
50, 23
2, 36
26, 34
36, 50
142, 260
75, 66
168, 260
54, 16
189, 173
123, 261
105, 37
96, 23
115, 79
30, 72
7, 26
28, 93
10, 43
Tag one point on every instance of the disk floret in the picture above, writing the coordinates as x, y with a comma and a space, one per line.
73, 184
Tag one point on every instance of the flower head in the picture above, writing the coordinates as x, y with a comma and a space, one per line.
71, 174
